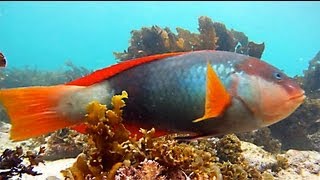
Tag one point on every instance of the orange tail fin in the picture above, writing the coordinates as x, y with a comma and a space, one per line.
32, 110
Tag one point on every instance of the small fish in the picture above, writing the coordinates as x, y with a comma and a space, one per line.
202, 93
3, 61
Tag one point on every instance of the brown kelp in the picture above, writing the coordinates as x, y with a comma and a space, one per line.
212, 35
112, 153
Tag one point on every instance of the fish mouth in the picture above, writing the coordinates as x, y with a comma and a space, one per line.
300, 97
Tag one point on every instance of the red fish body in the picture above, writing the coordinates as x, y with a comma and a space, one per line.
203, 92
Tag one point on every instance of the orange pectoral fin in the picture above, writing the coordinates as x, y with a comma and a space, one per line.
32, 110
217, 97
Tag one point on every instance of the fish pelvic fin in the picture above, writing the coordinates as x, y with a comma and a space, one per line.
217, 97
33, 110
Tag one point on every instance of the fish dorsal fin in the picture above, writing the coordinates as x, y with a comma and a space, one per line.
217, 97
110, 71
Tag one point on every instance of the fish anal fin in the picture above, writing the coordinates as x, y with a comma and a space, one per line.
217, 97
32, 110
135, 130
80, 128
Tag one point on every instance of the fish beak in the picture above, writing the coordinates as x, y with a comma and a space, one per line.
300, 97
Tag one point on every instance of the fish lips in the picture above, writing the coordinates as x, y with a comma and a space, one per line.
298, 98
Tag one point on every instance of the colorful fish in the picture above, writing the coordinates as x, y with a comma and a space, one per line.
203, 93
3, 61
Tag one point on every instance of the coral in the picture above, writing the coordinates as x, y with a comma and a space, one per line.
11, 162
212, 35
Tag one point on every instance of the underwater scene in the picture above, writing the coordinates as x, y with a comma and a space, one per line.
159, 90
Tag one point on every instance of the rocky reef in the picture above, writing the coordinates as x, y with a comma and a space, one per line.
211, 36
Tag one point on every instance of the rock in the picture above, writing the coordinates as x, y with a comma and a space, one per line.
258, 157
51, 170
302, 165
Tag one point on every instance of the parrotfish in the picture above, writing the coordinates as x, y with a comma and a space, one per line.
202, 93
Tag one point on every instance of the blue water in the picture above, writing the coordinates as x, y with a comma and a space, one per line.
46, 34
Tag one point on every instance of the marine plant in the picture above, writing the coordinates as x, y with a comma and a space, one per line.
112, 152
311, 77
212, 35
11, 162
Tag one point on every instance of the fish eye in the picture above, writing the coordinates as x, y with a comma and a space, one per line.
277, 75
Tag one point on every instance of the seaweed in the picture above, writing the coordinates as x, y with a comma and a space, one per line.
211, 36
11, 162
208, 34
311, 77
112, 152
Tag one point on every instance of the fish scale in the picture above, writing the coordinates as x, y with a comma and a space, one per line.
172, 89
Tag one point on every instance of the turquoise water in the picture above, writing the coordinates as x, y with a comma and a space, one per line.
46, 34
